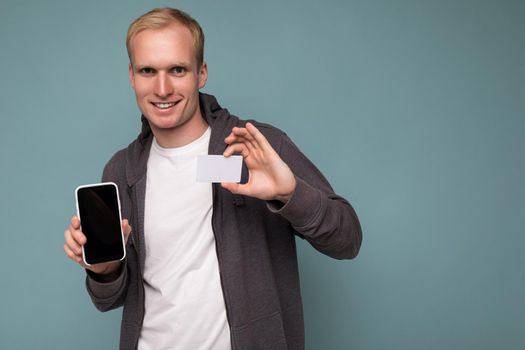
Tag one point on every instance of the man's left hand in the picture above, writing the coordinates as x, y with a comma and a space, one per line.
270, 178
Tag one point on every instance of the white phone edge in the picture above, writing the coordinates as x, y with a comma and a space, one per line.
119, 215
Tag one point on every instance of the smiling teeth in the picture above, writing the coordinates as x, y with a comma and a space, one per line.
164, 105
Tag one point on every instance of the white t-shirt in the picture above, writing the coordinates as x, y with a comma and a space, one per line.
184, 304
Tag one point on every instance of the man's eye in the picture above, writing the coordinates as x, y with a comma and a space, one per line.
146, 71
178, 70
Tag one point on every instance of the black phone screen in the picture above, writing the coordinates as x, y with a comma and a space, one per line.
98, 208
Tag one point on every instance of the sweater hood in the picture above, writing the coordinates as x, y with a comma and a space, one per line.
138, 151
209, 109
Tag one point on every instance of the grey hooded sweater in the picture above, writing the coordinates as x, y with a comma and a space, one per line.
255, 241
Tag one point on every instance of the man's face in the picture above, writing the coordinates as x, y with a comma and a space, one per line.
165, 76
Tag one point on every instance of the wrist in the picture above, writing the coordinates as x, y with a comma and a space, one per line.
285, 197
107, 274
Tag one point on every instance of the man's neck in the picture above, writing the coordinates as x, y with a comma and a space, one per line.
182, 134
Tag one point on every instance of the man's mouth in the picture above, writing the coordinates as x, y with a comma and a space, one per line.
164, 105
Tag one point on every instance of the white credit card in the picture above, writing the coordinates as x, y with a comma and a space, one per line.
217, 168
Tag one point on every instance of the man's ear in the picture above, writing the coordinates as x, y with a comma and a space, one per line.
131, 76
203, 75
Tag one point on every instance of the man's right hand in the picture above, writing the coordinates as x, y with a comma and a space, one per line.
75, 239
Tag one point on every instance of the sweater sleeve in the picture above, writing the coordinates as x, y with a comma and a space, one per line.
327, 221
108, 292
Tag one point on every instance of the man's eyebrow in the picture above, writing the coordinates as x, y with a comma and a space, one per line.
138, 67
170, 66
180, 64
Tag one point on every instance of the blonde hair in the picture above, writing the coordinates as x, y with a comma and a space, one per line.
162, 17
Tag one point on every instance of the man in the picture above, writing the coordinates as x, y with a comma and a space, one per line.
207, 266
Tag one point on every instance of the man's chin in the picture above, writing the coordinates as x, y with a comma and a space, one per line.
165, 126
162, 122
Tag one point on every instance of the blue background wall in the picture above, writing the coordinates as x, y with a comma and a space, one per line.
414, 110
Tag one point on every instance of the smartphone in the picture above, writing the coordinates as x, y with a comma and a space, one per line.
98, 207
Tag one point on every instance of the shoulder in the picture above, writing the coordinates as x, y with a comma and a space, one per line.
115, 166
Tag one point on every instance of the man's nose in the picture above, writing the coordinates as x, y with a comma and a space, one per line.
163, 87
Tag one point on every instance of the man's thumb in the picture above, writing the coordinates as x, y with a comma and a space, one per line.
126, 228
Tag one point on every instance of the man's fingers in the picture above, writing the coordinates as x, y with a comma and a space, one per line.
243, 137
240, 139
71, 255
230, 186
72, 244
78, 236
75, 222
249, 135
252, 134
243, 132
235, 188
74, 234
237, 148
74, 239
126, 228
258, 136
230, 138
